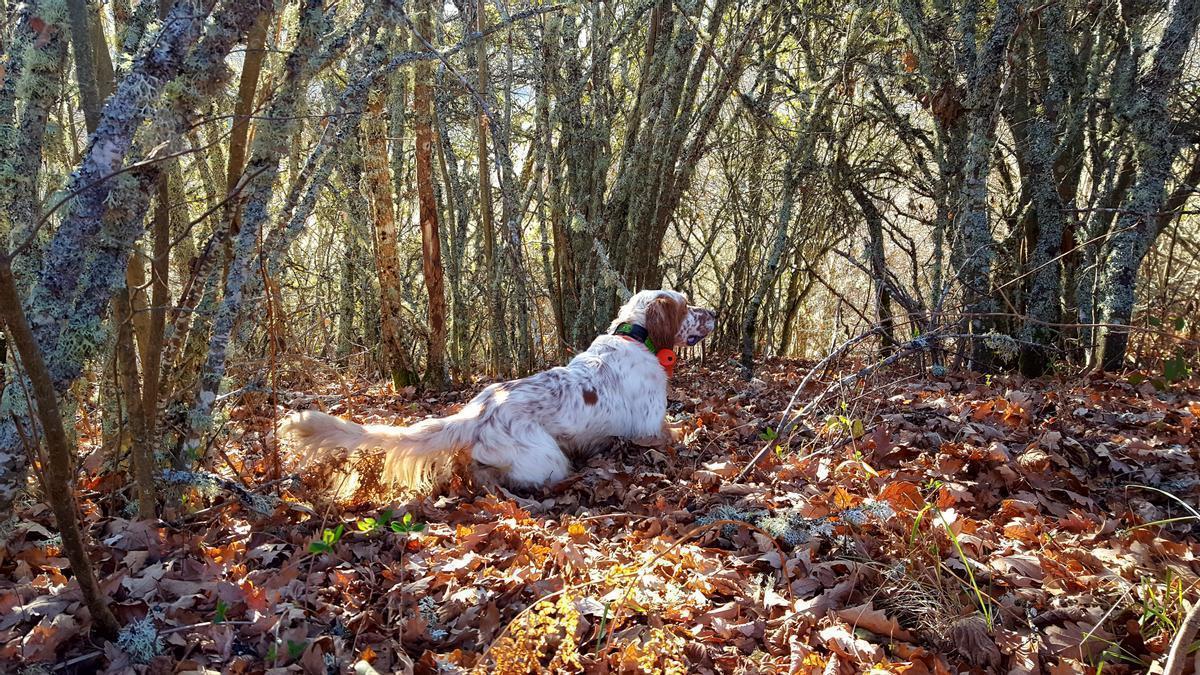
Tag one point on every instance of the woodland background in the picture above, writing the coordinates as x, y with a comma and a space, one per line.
208, 206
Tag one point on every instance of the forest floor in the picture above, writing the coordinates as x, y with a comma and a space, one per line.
928, 526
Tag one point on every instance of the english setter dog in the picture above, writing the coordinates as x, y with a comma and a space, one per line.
524, 430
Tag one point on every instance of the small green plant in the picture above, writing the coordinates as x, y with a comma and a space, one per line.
848, 425
769, 435
1176, 369
383, 522
985, 608
329, 539
407, 524
294, 650
600, 631
1115, 652
219, 616
1162, 604
916, 528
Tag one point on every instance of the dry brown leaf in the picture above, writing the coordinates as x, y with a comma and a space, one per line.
842, 641
874, 620
969, 637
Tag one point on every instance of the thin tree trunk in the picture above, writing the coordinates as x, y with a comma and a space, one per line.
975, 247
85, 67
883, 299
141, 453
256, 41
501, 360
779, 242
455, 236
160, 297
564, 282
796, 295
378, 183
431, 255
387, 261
60, 484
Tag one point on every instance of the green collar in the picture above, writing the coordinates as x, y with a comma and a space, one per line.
637, 334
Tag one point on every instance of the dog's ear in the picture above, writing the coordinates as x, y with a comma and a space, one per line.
664, 316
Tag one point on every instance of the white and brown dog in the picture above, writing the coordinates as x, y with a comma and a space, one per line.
524, 430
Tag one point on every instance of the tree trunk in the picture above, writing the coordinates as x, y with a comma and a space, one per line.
1156, 147
975, 249
883, 298
1116, 185
160, 297
256, 41
800, 156
1043, 307
456, 230
141, 453
85, 67
59, 474
38, 68
269, 145
387, 260
779, 242
501, 358
431, 254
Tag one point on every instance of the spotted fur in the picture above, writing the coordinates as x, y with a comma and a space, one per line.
525, 430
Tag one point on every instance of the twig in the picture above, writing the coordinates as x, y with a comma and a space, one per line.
245, 496
1183, 639
226, 501
784, 423
91, 655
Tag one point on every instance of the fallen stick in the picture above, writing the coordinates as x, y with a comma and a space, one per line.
1179, 648
784, 423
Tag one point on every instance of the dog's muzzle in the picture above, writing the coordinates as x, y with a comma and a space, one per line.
709, 325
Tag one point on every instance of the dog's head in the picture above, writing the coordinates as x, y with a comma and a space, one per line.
668, 318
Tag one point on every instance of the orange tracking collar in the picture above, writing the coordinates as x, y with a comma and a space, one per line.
636, 333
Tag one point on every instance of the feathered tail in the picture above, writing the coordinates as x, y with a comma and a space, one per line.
417, 457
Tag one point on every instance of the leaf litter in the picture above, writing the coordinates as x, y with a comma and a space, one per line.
962, 524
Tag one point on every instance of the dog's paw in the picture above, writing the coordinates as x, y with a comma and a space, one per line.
675, 432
